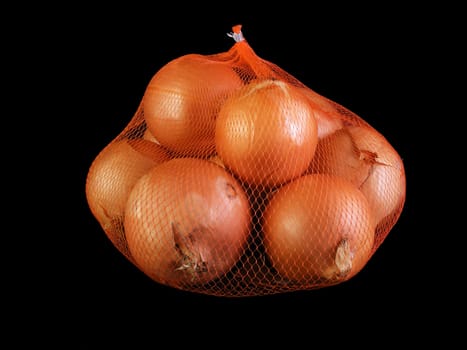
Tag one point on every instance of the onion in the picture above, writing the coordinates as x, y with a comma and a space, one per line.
364, 157
187, 222
110, 179
318, 227
266, 133
337, 154
182, 100
385, 185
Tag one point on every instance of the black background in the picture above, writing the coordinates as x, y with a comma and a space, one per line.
367, 59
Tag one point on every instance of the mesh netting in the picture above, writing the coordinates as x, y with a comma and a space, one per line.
235, 179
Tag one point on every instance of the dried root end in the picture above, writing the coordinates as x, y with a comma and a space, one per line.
191, 260
343, 262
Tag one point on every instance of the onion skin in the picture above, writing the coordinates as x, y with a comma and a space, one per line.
266, 133
326, 115
182, 101
318, 227
111, 178
148, 136
187, 222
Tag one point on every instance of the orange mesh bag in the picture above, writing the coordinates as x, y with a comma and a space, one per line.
235, 179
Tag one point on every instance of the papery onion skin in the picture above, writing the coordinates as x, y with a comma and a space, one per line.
326, 115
